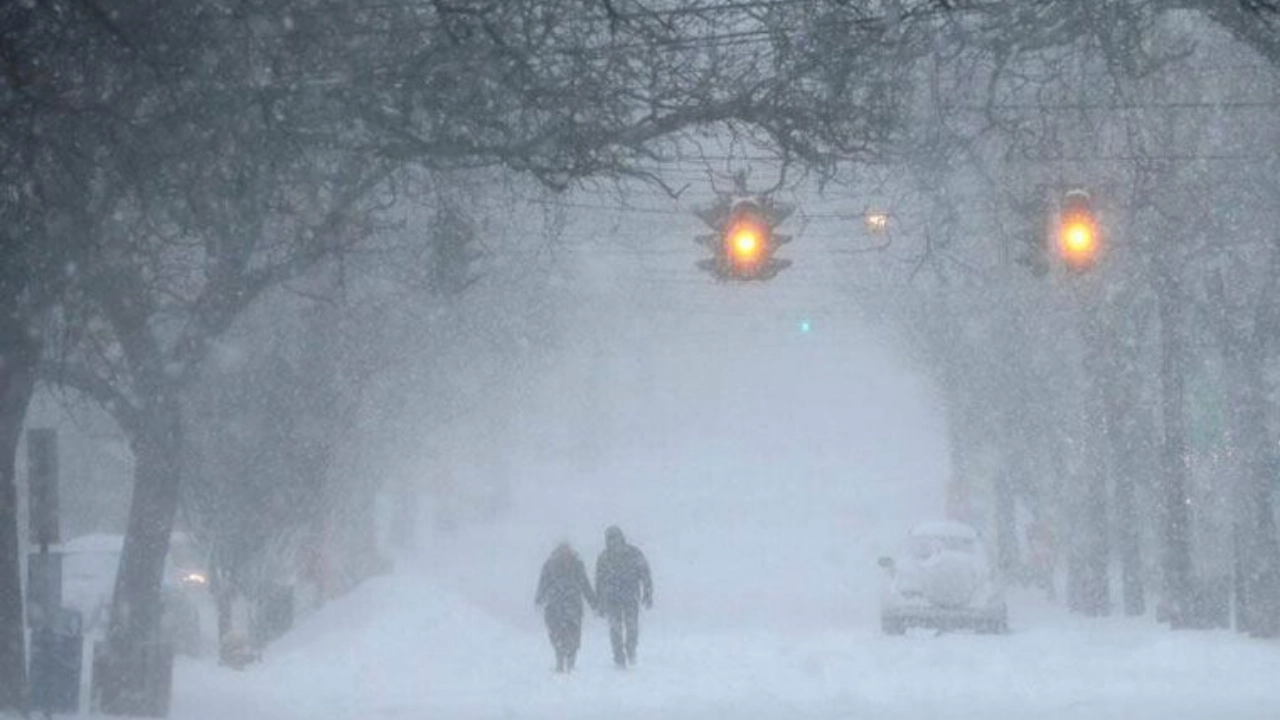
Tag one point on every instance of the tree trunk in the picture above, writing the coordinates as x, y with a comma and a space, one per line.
134, 630
1257, 562
961, 443
1126, 441
1090, 586
1006, 520
236, 649
404, 516
222, 598
1012, 472
18, 358
1128, 541
224, 583
1172, 486
353, 537
1095, 598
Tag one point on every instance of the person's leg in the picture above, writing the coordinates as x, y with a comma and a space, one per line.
615, 636
573, 641
556, 632
632, 620
553, 636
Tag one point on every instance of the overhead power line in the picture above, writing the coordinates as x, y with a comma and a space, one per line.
1269, 104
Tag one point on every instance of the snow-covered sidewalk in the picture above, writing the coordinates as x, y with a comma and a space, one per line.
399, 647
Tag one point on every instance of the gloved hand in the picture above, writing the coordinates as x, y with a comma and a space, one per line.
648, 603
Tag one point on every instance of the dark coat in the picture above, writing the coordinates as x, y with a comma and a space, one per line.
564, 585
622, 575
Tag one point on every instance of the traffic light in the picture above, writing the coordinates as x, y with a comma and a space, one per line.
1077, 233
744, 242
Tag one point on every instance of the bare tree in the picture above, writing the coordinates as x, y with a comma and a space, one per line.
255, 173
207, 153
53, 72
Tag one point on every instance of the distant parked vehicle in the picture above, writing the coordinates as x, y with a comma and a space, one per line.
89, 569
942, 578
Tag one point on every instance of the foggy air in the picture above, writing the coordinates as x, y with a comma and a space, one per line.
674, 359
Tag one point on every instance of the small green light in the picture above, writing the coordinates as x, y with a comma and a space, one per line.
805, 326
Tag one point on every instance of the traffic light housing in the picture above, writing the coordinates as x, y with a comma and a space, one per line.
744, 242
1077, 239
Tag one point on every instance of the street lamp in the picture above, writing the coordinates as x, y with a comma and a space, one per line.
876, 221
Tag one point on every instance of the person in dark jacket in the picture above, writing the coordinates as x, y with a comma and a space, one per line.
561, 589
623, 582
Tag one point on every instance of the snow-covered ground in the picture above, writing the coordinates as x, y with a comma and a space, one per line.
400, 647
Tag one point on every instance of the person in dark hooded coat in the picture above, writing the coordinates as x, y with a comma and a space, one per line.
623, 582
562, 588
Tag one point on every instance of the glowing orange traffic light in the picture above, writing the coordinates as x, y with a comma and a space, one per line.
1078, 242
1077, 232
745, 242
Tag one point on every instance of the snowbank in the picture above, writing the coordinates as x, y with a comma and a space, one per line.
401, 648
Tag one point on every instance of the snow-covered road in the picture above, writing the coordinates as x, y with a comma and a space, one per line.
763, 530
402, 648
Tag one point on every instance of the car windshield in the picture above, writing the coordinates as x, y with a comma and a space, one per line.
562, 359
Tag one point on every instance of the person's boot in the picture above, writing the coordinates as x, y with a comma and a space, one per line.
559, 662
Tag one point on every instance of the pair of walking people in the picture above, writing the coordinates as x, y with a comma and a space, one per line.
623, 583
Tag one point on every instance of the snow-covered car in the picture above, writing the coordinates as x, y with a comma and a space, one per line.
942, 578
